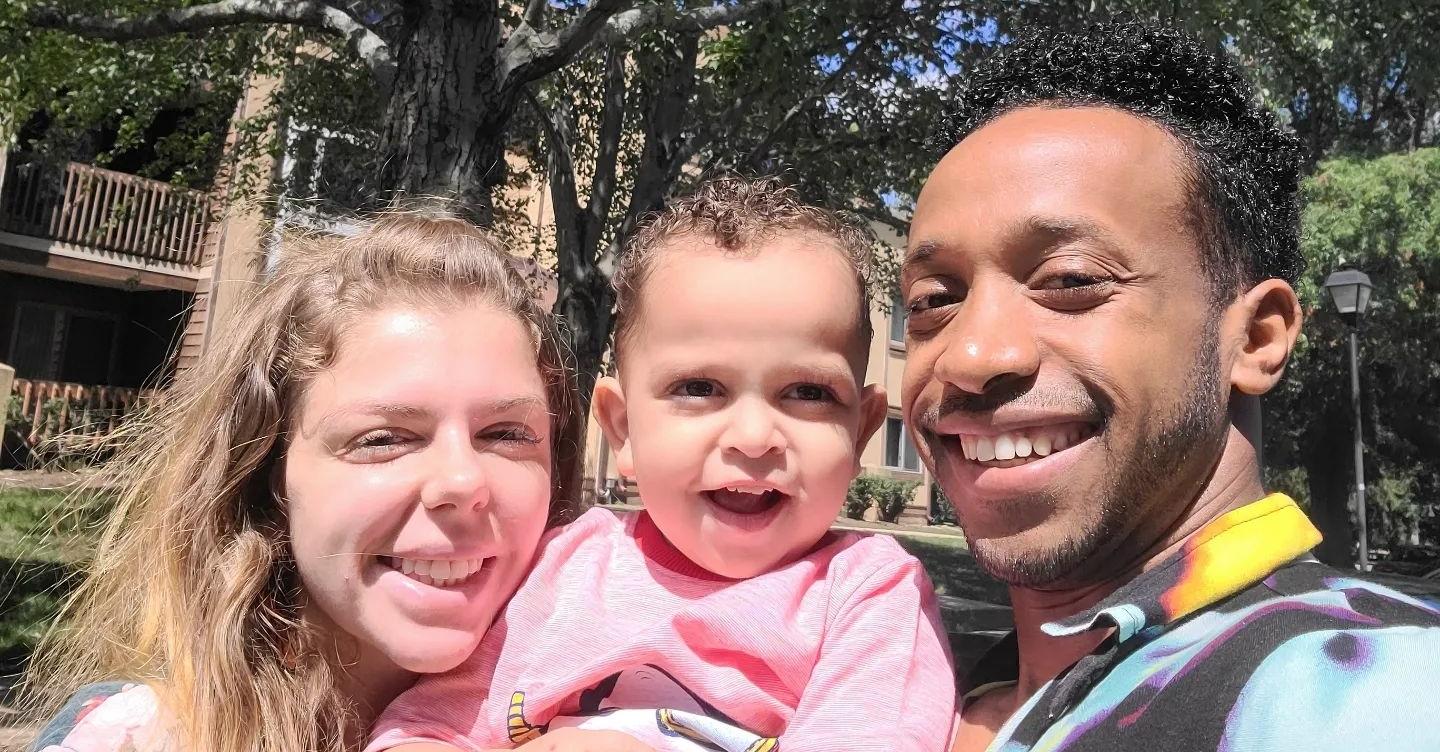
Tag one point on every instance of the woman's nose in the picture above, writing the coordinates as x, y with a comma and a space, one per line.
456, 475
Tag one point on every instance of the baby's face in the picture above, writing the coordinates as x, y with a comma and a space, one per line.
739, 410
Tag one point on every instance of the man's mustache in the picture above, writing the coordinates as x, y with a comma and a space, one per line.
980, 405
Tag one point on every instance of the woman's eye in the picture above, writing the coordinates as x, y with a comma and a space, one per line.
811, 393
380, 444
696, 388
511, 434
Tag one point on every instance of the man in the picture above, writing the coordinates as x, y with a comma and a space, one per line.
1100, 284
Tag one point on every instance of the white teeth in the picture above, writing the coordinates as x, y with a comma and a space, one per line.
984, 448
441, 572
1004, 447
1036, 442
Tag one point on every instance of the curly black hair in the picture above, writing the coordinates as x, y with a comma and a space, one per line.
1244, 167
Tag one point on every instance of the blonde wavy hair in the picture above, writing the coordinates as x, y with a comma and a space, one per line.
192, 588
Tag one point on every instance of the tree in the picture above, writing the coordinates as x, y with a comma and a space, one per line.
1382, 216
622, 100
1350, 76
840, 99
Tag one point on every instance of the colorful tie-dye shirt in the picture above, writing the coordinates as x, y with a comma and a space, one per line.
1242, 642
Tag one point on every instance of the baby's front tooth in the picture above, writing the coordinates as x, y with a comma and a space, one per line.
984, 449
1004, 447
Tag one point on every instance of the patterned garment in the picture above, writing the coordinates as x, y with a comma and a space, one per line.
1242, 642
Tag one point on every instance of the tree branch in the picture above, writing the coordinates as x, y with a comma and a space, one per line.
663, 16
361, 40
752, 160
873, 208
564, 198
535, 13
607, 153
530, 54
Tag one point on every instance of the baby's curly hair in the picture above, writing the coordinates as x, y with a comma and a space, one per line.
737, 214
1244, 169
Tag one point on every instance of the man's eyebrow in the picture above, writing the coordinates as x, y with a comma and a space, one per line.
1057, 228
920, 253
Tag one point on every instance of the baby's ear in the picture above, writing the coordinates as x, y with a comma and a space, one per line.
873, 408
608, 403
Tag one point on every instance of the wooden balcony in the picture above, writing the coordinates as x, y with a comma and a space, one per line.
149, 234
73, 414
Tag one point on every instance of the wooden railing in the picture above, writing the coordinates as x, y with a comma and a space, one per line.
49, 409
106, 210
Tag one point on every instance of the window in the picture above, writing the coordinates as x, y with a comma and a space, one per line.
63, 344
899, 450
898, 314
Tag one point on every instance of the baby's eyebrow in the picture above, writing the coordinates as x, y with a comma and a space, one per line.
823, 372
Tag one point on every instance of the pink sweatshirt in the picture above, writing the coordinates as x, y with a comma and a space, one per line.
615, 629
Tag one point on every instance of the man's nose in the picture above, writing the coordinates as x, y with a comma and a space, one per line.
456, 474
990, 343
752, 429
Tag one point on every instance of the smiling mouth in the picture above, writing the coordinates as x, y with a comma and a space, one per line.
746, 501
1022, 446
435, 572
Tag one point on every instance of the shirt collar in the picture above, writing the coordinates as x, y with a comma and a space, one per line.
1227, 555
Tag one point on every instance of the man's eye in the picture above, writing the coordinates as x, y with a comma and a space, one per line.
933, 300
1071, 281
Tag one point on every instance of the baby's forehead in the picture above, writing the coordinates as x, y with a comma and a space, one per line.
765, 288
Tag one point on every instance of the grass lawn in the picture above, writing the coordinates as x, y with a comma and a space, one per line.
42, 539
952, 568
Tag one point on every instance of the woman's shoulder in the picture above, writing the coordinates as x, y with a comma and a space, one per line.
103, 717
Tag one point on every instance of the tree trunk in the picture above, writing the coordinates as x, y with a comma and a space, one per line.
586, 305
444, 124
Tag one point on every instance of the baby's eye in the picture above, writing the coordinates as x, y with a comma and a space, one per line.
811, 393
699, 388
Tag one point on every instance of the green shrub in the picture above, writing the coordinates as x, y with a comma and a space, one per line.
892, 495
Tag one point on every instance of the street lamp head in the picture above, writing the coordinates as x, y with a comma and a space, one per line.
1350, 291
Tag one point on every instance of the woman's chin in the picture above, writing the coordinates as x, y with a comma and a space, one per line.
431, 650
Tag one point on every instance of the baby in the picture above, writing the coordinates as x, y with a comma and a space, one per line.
726, 616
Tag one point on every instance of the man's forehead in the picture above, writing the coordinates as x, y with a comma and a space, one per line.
1048, 173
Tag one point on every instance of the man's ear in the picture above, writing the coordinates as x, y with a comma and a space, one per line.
1270, 315
608, 403
873, 409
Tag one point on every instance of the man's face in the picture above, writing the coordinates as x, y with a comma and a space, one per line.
1063, 375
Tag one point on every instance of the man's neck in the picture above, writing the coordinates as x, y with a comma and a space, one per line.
1234, 483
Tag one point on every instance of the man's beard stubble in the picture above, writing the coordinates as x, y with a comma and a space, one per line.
1198, 424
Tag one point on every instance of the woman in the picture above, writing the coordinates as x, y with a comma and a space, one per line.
343, 494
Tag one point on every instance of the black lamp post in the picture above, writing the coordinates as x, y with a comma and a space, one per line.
1350, 290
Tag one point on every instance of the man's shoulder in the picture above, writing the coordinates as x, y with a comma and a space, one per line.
1348, 663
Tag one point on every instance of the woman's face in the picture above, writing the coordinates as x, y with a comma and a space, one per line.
418, 480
